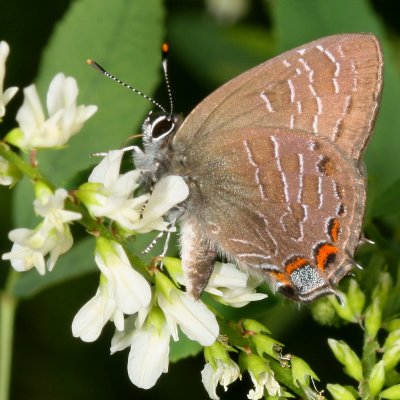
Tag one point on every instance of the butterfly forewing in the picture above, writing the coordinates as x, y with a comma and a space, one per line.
329, 87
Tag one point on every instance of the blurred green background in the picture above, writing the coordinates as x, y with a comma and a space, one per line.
208, 47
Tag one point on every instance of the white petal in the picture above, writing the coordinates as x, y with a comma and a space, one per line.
126, 183
84, 113
63, 242
118, 319
122, 339
194, 318
240, 297
227, 275
210, 381
107, 171
130, 290
149, 356
62, 93
258, 391
4, 51
9, 93
91, 318
30, 116
167, 193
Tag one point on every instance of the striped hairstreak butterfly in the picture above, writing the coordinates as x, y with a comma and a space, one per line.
273, 163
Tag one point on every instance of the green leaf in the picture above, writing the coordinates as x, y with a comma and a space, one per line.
298, 22
76, 262
388, 202
215, 54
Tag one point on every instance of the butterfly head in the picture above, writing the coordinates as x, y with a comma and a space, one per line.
159, 127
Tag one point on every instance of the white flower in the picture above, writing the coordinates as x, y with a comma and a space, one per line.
51, 238
224, 374
167, 193
51, 206
196, 321
91, 318
109, 194
9, 93
32, 246
230, 286
264, 380
149, 353
65, 117
122, 291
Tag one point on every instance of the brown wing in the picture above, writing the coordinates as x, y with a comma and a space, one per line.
330, 87
266, 195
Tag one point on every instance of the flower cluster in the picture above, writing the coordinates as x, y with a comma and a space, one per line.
111, 194
41, 247
65, 117
154, 312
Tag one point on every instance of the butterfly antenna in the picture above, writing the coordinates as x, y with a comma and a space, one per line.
165, 51
99, 68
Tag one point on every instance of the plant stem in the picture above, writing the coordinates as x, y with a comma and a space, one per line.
8, 304
22, 165
369, 359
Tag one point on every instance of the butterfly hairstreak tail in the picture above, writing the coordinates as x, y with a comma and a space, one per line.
272, 159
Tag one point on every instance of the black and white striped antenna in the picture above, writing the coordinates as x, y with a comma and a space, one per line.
165, 51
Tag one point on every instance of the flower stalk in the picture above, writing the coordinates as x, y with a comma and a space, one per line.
8, 306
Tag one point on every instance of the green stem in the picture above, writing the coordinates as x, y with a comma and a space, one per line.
8, 304
369, 359
27, 169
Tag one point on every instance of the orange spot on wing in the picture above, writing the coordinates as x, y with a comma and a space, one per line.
325, 254
334, 229
279, 276
296, 263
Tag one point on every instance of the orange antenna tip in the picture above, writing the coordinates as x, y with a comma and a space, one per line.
165, 48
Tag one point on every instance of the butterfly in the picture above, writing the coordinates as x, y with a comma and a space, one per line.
273, 163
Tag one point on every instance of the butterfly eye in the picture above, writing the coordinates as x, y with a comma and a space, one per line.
162, 126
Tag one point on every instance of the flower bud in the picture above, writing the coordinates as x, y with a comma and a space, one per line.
392, 324
339, 392
391, 357
377, 378
254, 326
383, 287
301, 372
261, 374
324, 312
391, 393
174, 267
216, 351
344, 310
266, 344
355, 297
345, 355
393, 339
373, 317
